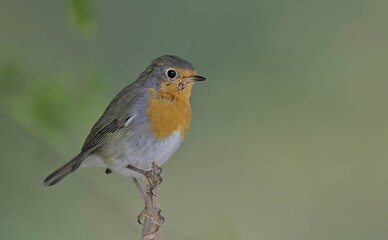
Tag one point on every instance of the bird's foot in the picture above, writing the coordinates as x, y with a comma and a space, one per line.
154, 178
141, 217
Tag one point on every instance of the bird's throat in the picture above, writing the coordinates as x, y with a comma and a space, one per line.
168, 112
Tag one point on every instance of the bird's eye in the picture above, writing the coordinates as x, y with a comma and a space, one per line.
171, 74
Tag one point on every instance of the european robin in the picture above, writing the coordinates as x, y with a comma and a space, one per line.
144, 124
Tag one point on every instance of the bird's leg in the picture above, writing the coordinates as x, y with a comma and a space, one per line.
138, 170
154, 179
153, 176
141, 216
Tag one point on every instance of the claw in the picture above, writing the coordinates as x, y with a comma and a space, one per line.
141, 217
152, 191
161, 218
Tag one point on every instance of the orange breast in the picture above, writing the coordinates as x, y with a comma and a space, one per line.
168, 113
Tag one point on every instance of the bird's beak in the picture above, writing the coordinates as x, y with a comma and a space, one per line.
196, 78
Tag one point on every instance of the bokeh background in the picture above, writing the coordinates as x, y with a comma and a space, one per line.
288, 137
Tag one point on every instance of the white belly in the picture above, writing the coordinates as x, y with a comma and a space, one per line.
140, 153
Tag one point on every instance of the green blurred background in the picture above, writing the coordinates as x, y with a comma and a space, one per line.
288, 137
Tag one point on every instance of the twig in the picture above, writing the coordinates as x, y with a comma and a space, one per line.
151, 214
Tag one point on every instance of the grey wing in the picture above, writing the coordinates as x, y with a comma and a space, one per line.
96, 140
119, 109
118, 112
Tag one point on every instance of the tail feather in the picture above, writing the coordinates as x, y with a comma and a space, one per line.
63, 171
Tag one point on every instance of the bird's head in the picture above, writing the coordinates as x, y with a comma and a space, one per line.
173, 75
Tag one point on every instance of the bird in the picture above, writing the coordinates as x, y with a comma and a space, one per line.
143, 125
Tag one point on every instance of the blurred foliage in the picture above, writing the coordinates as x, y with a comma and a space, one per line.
47, 104
10, 80
79, 15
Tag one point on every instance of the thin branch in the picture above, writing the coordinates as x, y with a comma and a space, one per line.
153, 220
